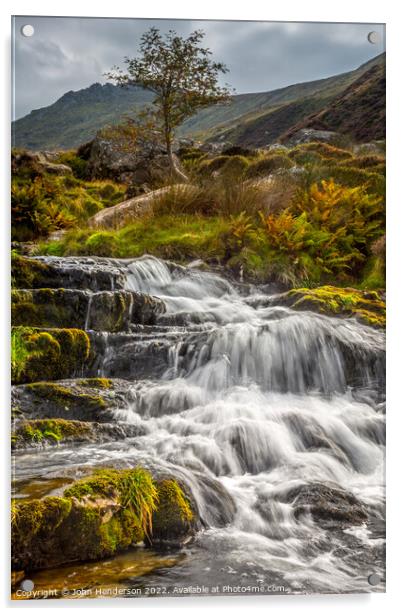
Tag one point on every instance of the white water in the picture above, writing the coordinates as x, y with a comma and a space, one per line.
261, 399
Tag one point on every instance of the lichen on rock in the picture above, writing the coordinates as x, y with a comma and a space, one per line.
366, 306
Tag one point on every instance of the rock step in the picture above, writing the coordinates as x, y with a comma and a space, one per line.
40, 354
87, 273
112, 311
84, 399
98, 274
40, 433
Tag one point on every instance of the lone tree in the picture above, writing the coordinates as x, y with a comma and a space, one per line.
182, 76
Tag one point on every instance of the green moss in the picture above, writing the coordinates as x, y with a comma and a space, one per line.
56, 530
367, 307
98, 382
174, 514
53, 354
30, 518
65, 396
134, 490
47, 307
52, 430
27, 273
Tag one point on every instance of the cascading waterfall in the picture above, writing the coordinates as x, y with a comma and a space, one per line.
259, 400
267, 399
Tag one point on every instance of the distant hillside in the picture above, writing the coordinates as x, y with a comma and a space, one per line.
352, 104
250, 119
359, 111
76, 116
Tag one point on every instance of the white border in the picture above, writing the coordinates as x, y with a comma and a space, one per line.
293, 10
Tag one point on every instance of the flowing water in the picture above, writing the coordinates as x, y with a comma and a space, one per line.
255, 401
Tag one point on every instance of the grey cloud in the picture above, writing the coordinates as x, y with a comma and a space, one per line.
71, 53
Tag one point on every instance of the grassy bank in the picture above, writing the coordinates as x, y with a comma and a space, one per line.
309, 215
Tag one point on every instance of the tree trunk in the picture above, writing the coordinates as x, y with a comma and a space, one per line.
175, 171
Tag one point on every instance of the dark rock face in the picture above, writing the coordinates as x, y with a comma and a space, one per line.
142, 164
122, 355
329, 505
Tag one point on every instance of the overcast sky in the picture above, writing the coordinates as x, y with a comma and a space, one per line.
72, 53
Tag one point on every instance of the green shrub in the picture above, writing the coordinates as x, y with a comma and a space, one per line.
305, 157
208, 166
325, 150
235, 167
238, 150
50, 203
78, 165
354, 177
364, 162
268, 164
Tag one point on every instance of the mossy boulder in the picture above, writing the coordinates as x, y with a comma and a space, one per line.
103, 311
96, 517
367, 307
54, 354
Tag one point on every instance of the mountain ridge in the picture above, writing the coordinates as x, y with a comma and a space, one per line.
77, 115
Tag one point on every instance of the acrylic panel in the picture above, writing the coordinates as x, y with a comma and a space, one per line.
198, 308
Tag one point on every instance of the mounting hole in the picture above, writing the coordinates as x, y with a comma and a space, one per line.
373, 37
27, 30
27, 585
374, 579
